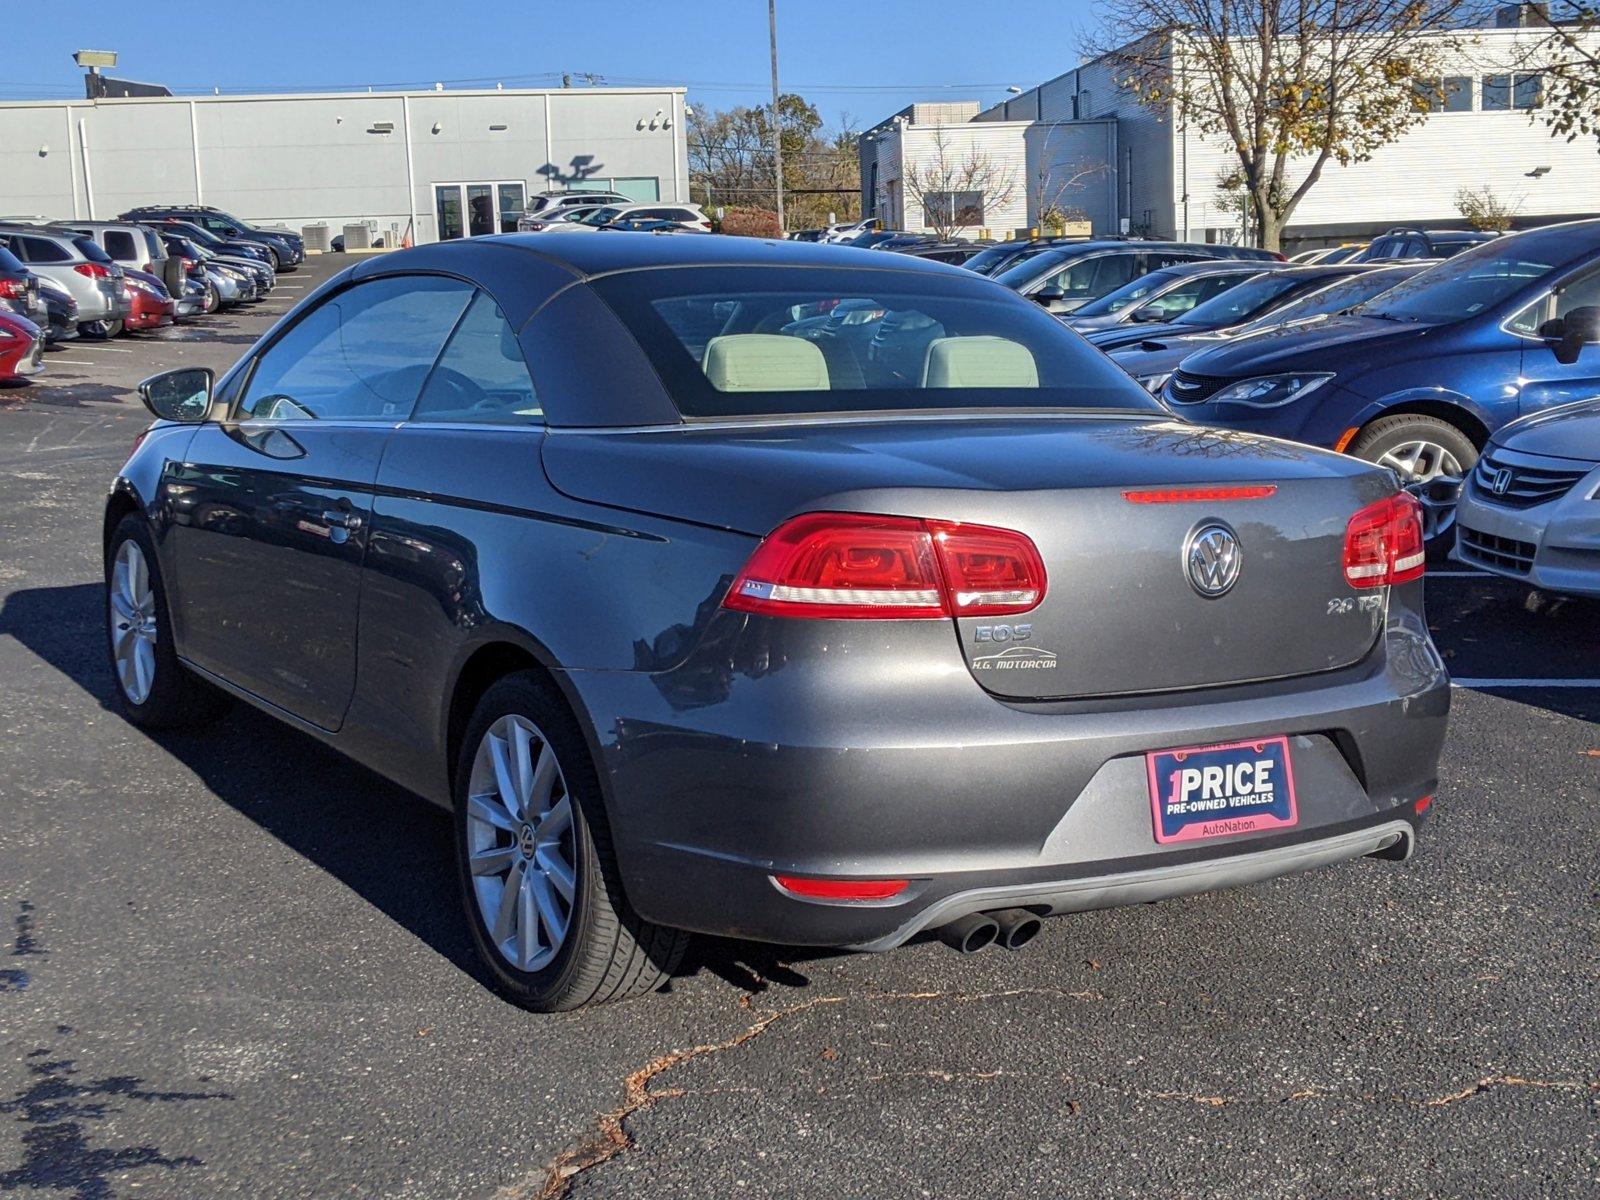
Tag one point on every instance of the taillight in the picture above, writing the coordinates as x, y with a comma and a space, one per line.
1383, 543
189, 264
13, 289
856, 566
92, 270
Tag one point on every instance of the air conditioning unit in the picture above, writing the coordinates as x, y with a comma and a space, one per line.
358, 236
316, 237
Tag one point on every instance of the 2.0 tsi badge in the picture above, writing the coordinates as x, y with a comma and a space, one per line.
1212, 558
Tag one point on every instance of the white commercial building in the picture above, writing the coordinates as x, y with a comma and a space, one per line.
440, 163
1080, 141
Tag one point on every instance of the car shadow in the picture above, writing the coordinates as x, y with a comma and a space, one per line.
325, 807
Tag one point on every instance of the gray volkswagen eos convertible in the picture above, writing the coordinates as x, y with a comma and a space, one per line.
786, 592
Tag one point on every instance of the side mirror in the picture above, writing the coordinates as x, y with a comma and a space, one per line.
1048, 296
183, 395
1147, 312
1571, 333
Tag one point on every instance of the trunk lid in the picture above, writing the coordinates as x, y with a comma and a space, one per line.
1121, 614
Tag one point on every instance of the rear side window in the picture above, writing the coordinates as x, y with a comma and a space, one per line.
362, 355
41, 250
481, 376
756, 341
120, 245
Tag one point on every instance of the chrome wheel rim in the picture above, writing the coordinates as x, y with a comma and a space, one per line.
520, 843
133, 622
1420, 461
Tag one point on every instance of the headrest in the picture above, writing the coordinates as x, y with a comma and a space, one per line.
764, 362
983, 361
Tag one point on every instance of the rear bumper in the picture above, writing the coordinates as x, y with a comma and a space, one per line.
804, 764
1553, 546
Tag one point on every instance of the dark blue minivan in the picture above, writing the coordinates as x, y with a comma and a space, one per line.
1420, 376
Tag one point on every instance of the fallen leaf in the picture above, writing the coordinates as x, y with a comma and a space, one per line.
829, 1054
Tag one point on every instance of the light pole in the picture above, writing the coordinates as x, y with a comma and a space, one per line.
777, 129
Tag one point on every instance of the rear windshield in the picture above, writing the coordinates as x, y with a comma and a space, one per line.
91, 251
755, 341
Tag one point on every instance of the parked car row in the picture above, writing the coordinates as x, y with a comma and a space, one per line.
591, 212
63, 279
1410, 351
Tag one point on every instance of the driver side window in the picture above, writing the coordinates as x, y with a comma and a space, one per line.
362, 355
1580, 293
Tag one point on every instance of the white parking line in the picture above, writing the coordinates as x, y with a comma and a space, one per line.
112, 350
289, 287
1491, 684
69, 362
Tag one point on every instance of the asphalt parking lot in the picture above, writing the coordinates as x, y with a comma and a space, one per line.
232, 963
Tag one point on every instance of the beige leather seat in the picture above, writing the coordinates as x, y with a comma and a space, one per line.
764, 362
982, 361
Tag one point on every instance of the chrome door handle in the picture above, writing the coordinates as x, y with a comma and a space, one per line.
341, 520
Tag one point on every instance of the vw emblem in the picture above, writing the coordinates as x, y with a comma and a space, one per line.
1501, 481
1213, 557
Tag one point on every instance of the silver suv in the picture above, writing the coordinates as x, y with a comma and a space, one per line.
80, 266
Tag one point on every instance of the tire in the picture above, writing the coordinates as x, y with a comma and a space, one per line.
101, 331
209, 304
277, 263
1446, 450
171, 696
606, 952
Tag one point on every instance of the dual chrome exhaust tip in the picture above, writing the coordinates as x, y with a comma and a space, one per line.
1011, 928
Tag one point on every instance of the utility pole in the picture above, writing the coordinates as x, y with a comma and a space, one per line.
777, 128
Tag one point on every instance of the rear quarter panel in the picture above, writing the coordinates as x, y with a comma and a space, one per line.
470, 545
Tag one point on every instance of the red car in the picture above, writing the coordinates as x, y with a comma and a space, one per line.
153, 305
21, 347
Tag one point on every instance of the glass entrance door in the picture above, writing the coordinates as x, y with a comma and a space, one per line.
447, 204
478, 208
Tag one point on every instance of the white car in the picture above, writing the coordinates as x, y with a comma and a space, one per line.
561, 218
1530, 509
547, 205
688, 216
845, 230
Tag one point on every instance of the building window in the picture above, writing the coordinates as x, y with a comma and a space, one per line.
1451, 94
953, 208
640, 189
1502, 93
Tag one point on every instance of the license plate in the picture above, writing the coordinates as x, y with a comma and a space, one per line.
1214, 791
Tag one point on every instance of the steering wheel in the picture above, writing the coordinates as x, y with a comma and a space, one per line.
460, 391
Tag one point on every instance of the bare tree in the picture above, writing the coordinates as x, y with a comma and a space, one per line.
1052, 183
943, 183
1483, 209
1568, 56
1289, 85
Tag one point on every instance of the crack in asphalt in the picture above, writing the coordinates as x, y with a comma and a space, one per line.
611, 1137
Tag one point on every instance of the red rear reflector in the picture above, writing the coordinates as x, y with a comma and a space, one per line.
92, 270
1383, 543
842, 889
856, 566
1192, 495
1424, 804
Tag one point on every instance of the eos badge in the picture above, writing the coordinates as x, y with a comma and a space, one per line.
1003, 633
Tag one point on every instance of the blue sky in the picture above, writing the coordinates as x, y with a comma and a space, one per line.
847, 56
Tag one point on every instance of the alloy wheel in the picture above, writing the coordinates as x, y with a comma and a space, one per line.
521, 843
1420, 461
133, 622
